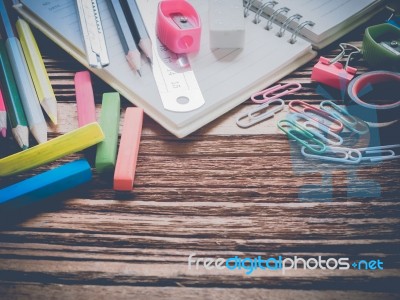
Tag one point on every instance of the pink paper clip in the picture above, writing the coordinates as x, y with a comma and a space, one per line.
310, 111
265, 93
332, 72
178, 26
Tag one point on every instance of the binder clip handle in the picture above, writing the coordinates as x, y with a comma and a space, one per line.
344, 47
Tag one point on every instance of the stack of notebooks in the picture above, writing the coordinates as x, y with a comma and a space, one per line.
226, 77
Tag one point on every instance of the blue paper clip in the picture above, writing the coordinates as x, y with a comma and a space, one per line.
336, 154
379, 153
316, 128
256, 115
302, 135
351, 122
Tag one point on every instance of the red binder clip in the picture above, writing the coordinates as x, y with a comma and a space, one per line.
332, 72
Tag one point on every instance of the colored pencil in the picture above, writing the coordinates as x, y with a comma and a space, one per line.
125, 35
139, 29
128, 151
63, 145
37, 70
44, 185
3, 116
30, 101
84, 98
106, 153
15, 111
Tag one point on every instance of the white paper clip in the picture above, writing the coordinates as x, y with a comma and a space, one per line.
379, 153
318, 130
336, 154
93, 35
256, 114
354, 124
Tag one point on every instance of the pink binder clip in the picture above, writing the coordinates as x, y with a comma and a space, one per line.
332, 72
178, 26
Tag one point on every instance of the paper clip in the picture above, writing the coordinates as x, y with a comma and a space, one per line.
379, 153
265, 93
336, 154
331, 72
351, 122
255, 115
311, 111
93, 35
317, 129
297, 131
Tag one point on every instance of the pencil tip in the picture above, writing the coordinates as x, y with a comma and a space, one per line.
24, 147
39, 131
49, 105
140, 74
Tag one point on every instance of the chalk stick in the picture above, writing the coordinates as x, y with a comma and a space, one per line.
84, 98
106, 153
51, 150
125, 169
45, 185
226, 24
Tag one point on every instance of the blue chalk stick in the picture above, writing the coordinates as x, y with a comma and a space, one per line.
45, 185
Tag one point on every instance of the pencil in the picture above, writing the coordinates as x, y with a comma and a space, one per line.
37, 70
128, 43
16, 115
3, 116
139, 29
30, 102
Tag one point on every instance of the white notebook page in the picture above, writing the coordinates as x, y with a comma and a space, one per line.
222, 74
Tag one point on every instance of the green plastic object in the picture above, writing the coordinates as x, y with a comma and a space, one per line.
381, 46
109, 122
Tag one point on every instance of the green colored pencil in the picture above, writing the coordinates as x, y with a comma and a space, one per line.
12, 99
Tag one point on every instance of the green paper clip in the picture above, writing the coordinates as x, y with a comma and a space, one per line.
296, 131
381, 46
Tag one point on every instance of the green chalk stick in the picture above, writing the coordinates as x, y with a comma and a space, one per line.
109, 121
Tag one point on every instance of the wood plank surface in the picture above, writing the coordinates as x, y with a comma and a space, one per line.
221, 192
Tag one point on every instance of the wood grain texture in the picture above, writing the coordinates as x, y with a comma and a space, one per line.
221, 192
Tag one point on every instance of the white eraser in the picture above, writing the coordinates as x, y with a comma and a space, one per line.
226, 22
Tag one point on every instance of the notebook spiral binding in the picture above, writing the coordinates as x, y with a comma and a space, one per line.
272, 16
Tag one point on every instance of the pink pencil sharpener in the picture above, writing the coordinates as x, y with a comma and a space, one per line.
178, 26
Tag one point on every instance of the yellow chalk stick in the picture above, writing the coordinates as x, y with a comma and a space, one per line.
51, 150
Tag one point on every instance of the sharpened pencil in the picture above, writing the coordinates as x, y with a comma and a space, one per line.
37, 70
3, 116
15, 111
139, 29
125, 35
27, 92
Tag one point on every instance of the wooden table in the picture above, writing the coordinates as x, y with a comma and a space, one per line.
221, 192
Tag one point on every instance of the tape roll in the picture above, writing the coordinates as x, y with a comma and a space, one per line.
374, 83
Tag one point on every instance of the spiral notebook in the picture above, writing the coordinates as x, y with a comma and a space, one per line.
226, 77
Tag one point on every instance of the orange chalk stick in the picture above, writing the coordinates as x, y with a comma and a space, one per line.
84, 98
125, 169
